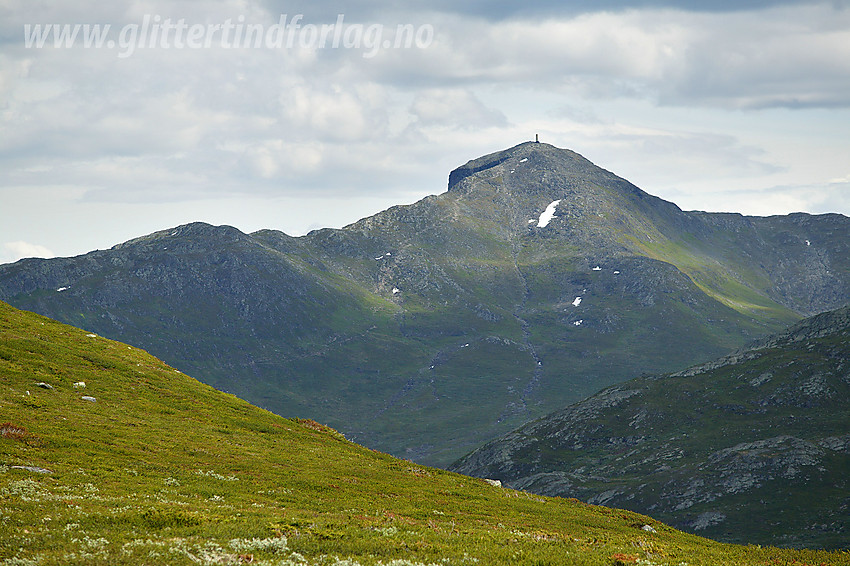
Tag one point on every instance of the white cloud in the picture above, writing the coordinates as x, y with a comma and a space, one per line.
788, 56
13, 251
683, 103
335, 112
817, 198
454, 107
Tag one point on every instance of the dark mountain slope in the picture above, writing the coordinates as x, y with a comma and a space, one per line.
754, 447
209, 296
428, 329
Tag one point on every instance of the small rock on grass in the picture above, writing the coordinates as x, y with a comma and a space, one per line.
35, 469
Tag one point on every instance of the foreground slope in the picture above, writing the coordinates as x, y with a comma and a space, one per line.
428, 329
754, 447
145, 465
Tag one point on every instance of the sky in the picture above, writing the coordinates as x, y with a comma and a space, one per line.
298, 115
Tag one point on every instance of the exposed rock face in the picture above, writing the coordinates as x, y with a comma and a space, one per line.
753, 448
428, 329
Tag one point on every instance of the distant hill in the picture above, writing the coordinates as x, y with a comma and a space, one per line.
426, 330
753, 447
108, 456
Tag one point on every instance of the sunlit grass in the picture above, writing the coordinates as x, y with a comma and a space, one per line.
160, 469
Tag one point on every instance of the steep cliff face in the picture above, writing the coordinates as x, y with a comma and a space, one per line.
537, 279
753, 447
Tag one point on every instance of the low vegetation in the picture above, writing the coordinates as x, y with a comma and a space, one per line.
429, 329
108, 456
753, 447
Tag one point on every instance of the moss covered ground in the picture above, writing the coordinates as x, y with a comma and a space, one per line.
109, 456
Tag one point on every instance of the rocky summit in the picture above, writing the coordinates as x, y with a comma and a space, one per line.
534, 281
751, 448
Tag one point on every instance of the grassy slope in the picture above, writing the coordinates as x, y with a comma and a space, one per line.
679, 438
163, 469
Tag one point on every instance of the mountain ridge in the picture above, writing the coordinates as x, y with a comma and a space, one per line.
753, 447
456, 318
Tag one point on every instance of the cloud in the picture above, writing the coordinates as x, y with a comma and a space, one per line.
779, 57
458, 108
499, 10
13, 251
336, 112
668, 93
815, 198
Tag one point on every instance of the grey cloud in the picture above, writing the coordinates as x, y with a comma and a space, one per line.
455, 108
499, 10
786, 57
666, 158
172, 125
786, 54
815, 198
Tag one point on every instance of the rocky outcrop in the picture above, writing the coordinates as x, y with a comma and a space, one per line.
752, 448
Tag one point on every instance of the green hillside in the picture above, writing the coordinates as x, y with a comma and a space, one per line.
144, 465
429, 329
753, 447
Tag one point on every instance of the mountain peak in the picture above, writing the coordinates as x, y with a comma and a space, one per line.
507, 160
539, 173
193, 231
536, 280
539, 186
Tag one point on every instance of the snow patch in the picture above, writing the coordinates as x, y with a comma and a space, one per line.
578, 323
91, 335
577, 301
548, 214
532, 221
396, 290
597, 268
523, 160
616, 273
808, 243
60, 289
